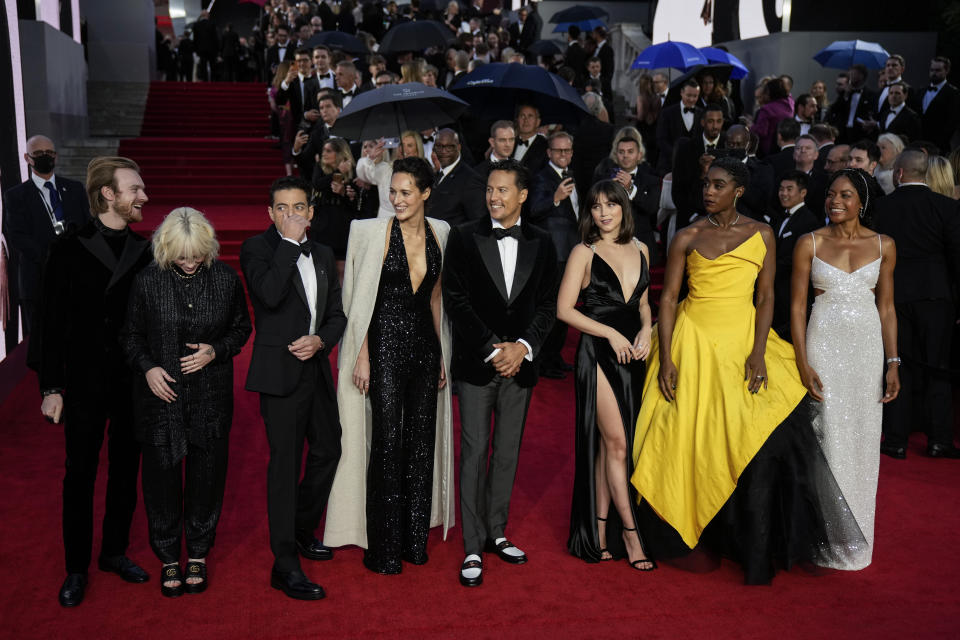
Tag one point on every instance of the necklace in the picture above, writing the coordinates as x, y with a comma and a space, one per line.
186, 276
717, 224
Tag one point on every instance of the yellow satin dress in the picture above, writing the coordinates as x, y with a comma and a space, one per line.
688, 454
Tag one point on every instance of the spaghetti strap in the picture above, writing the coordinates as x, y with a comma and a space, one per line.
593, 247
880, 242
813, 237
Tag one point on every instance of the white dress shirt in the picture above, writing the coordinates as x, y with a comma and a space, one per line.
508, 260
687, 116
792, 210
428, 145
883, 93
929, 95
804, 126
326, 81
890, 116
521, 150
40, 182
348, 98
308, 275
854, 103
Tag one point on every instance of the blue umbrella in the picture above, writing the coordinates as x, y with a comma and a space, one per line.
843, 54
720, 56
494, 91
585, 25
578, 13
388, 111
675, 55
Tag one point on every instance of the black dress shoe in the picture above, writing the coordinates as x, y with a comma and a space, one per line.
900, 453
500, 550
313, 549
943, 451
123, 567
71, 592
471, 564
296, 585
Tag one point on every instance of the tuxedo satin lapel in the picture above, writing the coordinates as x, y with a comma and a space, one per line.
98, 246
132, 249
487, 246
321, 279
526, 259
274, 239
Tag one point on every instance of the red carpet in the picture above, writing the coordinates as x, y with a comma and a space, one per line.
909, 591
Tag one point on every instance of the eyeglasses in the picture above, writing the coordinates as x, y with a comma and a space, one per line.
563, 151
44, 152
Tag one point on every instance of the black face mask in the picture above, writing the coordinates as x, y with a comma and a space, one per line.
43, 164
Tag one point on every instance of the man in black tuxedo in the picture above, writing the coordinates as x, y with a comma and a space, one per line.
306, 146
604, 52
348, 82
791, 221
594, 82
855, 107
531, 26
575, 57
321, 68
865, 155
500, 285
677, 121
939, 106
531, 149
896, 117
458, 191
755, 201
592, 141
782, 161
692, 160
34, 213
642, 186
502, 141
926, 228
825, 136
295, 292
207, 45
892, 74
82, 370
300, 89
281, 51
555, 208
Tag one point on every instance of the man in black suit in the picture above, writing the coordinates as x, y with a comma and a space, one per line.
805, 161
230, 53
555, 208
531, 25
594, 82
939, 106
926, 228
787, 133
791, 221
207, 45
677, 121
281, 51
34, 213
592, 141
82, 369
825, 136
348, 81
604, 52
692, 160
531, 148
575, 57
755, 201
306, 146
642, 186
856, 106
896, 117
300, 89
295, 292
458, 192
502, 141
500, 285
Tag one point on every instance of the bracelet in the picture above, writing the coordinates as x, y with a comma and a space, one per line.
895, 360
50, 392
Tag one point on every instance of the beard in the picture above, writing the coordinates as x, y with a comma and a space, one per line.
126, 211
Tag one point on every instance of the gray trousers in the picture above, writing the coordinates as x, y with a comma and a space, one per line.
486, 485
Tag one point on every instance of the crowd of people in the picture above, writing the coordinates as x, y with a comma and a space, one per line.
811, 258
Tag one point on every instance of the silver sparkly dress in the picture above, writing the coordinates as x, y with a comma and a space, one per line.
845, 348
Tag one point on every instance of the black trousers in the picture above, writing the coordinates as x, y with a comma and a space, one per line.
178, 502
924, 334
294, 505
84, 425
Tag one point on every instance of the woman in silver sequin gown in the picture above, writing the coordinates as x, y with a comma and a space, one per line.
840, 352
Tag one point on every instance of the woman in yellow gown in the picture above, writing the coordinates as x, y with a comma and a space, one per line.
725, 453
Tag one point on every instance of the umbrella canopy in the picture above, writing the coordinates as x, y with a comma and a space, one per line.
545, 48
494, 90
720, 72
676, 55
585, 25
719, 56
395, 108
843, 54
415, 36
338, 40
578, 13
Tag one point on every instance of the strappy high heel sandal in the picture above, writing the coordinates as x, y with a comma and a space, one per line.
604, 550
636, 563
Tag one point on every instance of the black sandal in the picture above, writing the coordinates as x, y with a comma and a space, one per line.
196, 570
603, 550
171, 573
635, 564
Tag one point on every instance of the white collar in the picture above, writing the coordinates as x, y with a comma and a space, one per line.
898, 109
895, 80
715, 142
939, 86
912, 184
556, 168
496, 223
37, 180
302, 77
792, 210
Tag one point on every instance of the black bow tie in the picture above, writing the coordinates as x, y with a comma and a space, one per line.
711, 147
524, 143
352, 94
689, 110
855, 91
512, 232
305, 248
933, 87
427, 139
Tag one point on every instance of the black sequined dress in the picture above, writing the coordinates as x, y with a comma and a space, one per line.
404, 370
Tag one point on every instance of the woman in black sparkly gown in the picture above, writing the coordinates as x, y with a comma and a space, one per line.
399, 367
609, 272
187, 319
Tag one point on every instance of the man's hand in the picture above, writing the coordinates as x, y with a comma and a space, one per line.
294, 227
625, 180
305, 346
311, 116
508, 361
564, 190
291, 74
52, 407
300, 141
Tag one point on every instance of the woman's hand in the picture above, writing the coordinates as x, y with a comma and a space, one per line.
892, 387
811, 381
621, 346
196, 361
361, 374
755, 372
667, 378
443, 376
351, 192
641, 344
157, 380
336, 187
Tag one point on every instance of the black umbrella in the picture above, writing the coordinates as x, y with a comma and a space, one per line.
338, 40
395, 108
579, 13
494, 90
545, 48
415, 36
720, 72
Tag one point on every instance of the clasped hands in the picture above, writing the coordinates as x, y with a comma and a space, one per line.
508, 360
625, 350
158, 379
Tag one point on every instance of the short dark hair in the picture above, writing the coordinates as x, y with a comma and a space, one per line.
809, 137
321, 47
284, 27
332, 96
794, 175
900, 83
823, 132
593, 59
691, 82
736, 168
873, 151
945, 60
304, 51
789, 129
898, 58
376, 58
418, 168
574, 31
567, 73
775, 89
614, 192
801, 100
713, 106
861, 69
521, 176
288, 183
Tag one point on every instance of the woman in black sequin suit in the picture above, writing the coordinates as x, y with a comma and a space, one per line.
187, 318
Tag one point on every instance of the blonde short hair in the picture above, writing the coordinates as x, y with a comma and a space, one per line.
184, 232
102, 172
940, 175
627, 134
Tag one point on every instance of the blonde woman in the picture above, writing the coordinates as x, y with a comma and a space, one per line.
187, 319
940, 175
335, 199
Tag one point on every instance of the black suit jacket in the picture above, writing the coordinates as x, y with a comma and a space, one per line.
282, 313
839, 113
559, 221
942, 117
591, 145
801, 222
822, 154
687, 189
670, 128
906, 123
605, 53
782, 161
475, 298
460, 197
817, 183
29, 232
273, 56
576, 59
292, 94
535, 159
761, 192
646, 201
926, 228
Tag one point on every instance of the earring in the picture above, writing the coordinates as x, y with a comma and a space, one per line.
861, 211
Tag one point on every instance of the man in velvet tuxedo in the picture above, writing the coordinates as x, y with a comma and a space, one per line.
82, 370
500, 285
34, 213
926, 227
295, 291
677, 121
300, 89
458, 192
938, 106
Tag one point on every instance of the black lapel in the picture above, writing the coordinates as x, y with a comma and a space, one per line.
321, 280
97, 245
132, 249
490, 253
526, 259
274, 239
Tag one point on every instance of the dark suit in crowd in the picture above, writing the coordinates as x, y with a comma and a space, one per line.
535, 157
299, 103
670, 128
274, 59
458, 197
591, 146
645, 199
906, 123
839, 115
207, 44
788, 229
941, 119
687, 189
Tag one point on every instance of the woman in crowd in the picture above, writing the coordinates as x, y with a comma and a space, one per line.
955, 164
430, 74
376, 168
890, 147
819, 91
725, 455
840, 353
281, 117
648, 110
452, 18
187, 319
411, 72
335, 199
615, 326
776, 107
392, 386
940, 175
